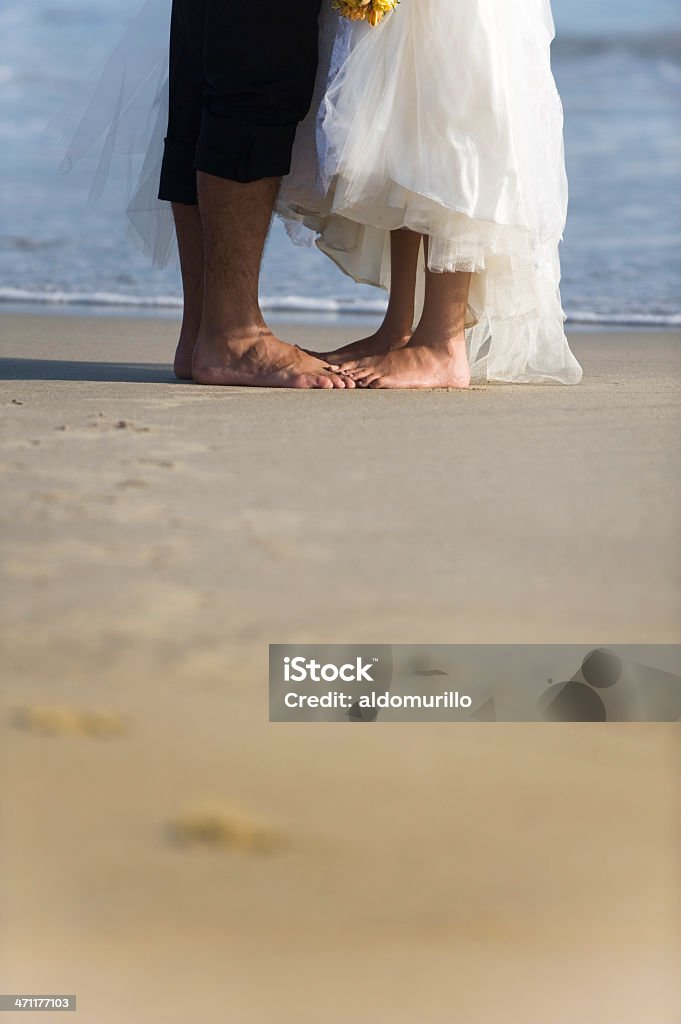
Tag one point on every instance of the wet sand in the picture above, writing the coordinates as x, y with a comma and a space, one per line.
158, 535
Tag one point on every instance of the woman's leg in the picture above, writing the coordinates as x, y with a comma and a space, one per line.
398, 324
435, 356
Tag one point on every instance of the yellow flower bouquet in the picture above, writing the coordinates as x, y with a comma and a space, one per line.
372, 11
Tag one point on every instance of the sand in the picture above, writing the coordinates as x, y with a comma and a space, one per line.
158, 535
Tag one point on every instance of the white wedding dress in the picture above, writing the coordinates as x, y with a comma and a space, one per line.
444, 119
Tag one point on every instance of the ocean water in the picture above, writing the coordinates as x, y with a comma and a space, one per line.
618, 68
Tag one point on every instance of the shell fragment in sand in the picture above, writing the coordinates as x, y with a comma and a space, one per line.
65, 721
223, 826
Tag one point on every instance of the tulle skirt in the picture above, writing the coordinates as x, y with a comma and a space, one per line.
445, 119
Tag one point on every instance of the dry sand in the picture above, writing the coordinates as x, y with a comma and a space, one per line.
159, 535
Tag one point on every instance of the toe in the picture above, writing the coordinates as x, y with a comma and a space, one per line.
313, 381
362, 374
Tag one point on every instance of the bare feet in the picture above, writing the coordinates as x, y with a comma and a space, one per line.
384, 340
259, 359
416, 365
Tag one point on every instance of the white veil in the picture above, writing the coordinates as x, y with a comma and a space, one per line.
119, 126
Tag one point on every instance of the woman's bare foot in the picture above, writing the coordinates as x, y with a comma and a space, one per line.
384, 340
397, 327
259, 359
416, 365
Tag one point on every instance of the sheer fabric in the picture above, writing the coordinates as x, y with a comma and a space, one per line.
120, 125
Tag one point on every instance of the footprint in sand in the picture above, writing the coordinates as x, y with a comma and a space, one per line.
159, 463
100, 422
131, 483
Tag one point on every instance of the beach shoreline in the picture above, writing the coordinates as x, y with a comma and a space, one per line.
336, 320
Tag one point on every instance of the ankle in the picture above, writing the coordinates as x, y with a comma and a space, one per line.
190, 326
237, 329
397, 328
452, 343
455, 344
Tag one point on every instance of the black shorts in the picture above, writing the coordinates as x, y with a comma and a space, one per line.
242, 74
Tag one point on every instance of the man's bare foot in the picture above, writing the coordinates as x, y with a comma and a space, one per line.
416, 365
259, 359
384, 340
182, 365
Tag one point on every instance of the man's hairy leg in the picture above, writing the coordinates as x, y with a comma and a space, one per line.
235, 345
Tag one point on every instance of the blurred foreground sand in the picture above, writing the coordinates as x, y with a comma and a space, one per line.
160, 535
